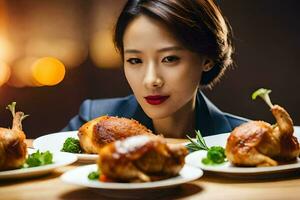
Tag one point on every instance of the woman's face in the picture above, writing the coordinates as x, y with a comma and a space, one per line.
163, 75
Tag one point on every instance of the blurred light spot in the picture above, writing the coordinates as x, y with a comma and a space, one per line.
102, 50
48, 71
21, 73
5, 49
71, 52
5, 45
4, 73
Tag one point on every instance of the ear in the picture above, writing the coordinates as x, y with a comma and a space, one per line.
208, 64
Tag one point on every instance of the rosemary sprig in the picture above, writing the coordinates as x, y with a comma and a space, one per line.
197, 145
215, 154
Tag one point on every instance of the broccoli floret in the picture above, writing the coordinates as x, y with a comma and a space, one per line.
72, 145
94, 175
39, 159
215, 155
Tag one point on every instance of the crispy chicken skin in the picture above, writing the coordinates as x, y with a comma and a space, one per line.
106, 129
257, 143
141, 158
13, 149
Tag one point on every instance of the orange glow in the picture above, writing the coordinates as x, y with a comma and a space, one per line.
4, 73
5, 49
48, 71
71, 52
103, 52
3, 14
5, 45
21, 74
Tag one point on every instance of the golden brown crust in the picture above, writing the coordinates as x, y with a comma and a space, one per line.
284, 121
241, 148
289, 148
257, 143
141, 158
110, 129
106, 129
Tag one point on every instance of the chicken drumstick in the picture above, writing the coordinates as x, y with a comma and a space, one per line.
13, 149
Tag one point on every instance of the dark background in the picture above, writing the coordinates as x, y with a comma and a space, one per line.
267, 51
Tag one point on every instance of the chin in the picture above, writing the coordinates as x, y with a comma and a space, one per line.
158, 113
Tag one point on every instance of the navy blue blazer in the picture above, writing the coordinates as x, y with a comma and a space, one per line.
209, 119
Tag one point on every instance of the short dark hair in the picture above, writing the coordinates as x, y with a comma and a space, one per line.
198, 24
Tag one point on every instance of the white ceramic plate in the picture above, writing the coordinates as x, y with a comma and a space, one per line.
59, 160
79, 176
194, 159
54, 143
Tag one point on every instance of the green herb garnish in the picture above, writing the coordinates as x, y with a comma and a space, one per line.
264, 94
94, 175
197, 145
215, 154
38, 159
71, 145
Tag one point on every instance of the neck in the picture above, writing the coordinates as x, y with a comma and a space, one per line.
179, 124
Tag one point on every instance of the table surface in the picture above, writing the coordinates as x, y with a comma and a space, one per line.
210, 186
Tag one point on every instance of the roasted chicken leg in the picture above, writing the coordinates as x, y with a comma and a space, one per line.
13, 149
258, 143
106, 129
141, 158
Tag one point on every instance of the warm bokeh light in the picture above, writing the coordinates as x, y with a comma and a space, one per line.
4, 73
71, 52
5, 45
102, 50
21, 73
48, 71
5, 49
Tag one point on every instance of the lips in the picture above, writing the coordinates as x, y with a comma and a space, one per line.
156, 99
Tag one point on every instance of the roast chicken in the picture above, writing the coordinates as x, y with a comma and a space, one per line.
257, 143
141, 158
13, 149
106, 129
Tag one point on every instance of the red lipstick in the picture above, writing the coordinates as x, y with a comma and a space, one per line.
156, 99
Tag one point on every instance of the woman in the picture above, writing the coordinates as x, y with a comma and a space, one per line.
171, 50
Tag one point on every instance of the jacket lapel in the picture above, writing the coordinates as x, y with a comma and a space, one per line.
209, 119
138, 114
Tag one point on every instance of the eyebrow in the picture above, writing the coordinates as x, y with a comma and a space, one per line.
172, 48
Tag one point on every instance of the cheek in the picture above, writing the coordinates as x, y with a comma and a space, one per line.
132, 78
187, 78
128, 76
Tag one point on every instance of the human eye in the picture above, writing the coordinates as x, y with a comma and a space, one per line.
170, 59
134, 61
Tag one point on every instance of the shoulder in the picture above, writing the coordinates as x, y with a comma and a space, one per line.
91, 109
235, 120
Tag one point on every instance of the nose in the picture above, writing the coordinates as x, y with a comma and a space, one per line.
152, 79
